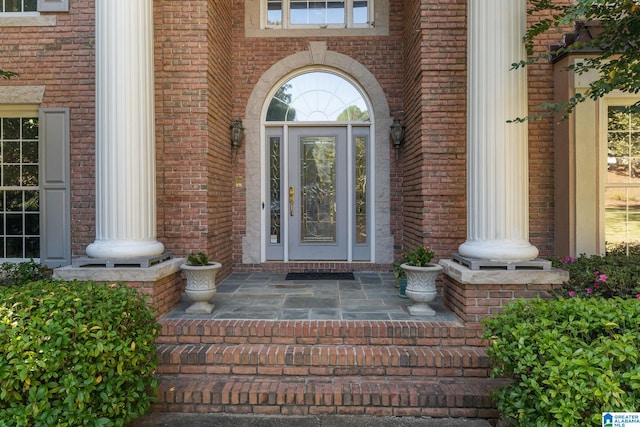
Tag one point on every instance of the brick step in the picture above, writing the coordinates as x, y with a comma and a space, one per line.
322, 360
353, 395
318, 332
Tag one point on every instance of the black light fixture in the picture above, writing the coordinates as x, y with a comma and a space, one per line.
397, 136
237, 134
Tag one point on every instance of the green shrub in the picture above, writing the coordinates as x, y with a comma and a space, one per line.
21, 273
569, 359
75, 354
613, 275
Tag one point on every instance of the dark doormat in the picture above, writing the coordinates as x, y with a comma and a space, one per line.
320, 276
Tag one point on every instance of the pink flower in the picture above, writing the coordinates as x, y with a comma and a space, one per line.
596, 285
573, 294
602, 278
589, 290
568, 260
638, 296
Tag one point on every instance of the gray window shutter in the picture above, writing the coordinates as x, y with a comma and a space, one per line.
53, 5
55, 180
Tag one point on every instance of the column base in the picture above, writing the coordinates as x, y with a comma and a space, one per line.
499, 250
485, 264
475, 294
163, 283
122, 249
144, 262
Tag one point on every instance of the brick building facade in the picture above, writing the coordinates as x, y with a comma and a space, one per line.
213, 62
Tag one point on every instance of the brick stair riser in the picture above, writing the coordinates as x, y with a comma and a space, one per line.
402, 396
384, 333
324, 367
322, 360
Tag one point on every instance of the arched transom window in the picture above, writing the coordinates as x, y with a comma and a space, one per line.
318, 96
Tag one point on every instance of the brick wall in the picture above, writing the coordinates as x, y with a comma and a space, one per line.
193, 104
434, 196
205, 71
435, 113
252, 57
541, 149
62, 59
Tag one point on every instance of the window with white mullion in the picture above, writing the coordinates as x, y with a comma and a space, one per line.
291, 14
622, 183
18, 6
19, 188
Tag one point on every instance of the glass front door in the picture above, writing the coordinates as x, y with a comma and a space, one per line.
317, 193
318, 201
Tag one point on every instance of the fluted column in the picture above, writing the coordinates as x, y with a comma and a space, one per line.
125, 131
497, 151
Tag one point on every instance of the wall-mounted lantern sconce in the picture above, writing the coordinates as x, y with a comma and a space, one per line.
397, 136
237, 134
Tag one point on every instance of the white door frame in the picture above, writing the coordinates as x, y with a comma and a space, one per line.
264, 173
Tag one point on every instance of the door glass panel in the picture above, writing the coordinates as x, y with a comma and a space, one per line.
318, 181
275, 226
361, 189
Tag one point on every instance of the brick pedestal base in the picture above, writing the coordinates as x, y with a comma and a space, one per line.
475, 294
163, 283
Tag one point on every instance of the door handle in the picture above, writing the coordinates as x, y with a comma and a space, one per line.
292, 199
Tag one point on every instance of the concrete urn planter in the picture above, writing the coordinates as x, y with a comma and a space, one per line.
421, 288
201, 286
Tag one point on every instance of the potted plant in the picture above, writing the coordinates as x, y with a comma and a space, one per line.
421, 279
201, 282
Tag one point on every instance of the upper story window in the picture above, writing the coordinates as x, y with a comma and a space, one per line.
18, 6
287, 14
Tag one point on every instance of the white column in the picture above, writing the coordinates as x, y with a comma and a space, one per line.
125, 131
497, 151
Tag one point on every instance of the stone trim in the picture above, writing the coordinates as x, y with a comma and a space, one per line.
28, 21
22, 95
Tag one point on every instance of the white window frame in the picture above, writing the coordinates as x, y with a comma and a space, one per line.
22, 111
28, 13
286, 25
42, 6
621, 100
